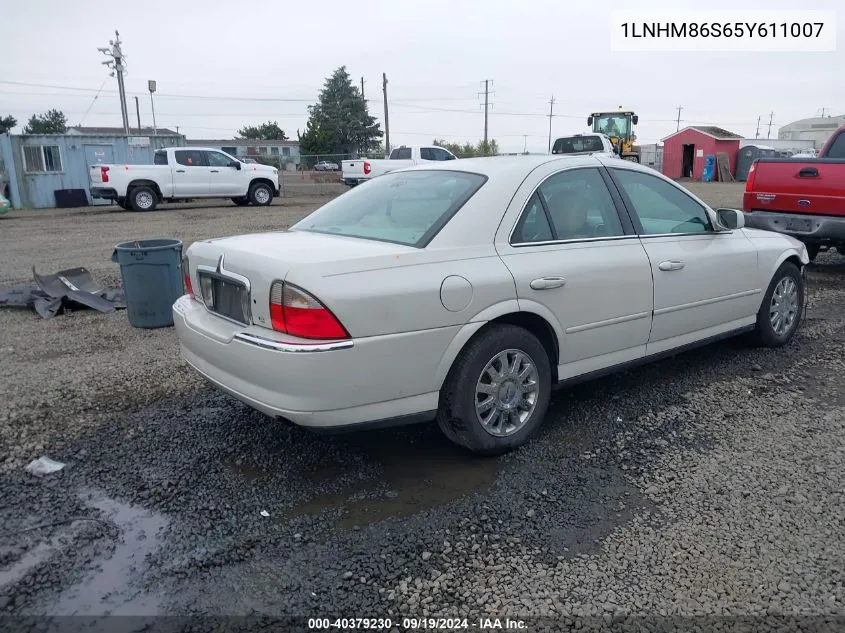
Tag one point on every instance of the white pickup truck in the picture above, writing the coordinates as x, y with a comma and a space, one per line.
184, 172
361, 169
579, 144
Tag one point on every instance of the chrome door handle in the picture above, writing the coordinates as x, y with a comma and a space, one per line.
671, 265
546, 283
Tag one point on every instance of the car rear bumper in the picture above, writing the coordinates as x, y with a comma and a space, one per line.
104, 193
807, 228
326, 385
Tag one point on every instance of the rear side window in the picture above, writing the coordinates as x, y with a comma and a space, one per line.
837, 148
580, 205
533, 226
160, 158
189, 157
401, 153
404, 208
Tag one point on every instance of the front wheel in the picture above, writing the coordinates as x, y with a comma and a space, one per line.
497, 392
780, 315
260, 194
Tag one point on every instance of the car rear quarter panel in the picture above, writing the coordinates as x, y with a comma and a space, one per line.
406, 292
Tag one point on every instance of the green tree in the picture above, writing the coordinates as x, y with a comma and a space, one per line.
51, 122
7, 123
339, 123
269, 131
468, 150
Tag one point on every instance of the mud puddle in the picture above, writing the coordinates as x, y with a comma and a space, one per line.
109, 586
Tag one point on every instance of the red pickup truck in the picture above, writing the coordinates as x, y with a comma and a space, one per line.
802, 198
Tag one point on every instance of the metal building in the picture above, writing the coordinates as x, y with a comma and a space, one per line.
817, 129
50, 170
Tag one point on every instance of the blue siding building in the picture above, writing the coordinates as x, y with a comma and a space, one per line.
38, 166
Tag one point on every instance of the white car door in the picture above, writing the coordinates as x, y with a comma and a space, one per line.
223, 177
577, 262
190, 174
705, 281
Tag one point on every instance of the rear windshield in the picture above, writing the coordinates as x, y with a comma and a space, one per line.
575, 144
403, 207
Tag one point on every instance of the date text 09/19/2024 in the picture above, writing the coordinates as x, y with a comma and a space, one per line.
414, 624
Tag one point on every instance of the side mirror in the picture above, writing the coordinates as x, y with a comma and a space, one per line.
730, 219
635, 119
589, 120
237, 165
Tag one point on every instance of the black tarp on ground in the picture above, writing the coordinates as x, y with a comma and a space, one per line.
73, 288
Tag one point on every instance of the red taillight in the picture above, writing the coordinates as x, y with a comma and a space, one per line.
752, 172
186, 277
295, 312
104, 172
367, 168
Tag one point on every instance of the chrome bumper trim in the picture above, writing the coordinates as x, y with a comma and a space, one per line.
280, 346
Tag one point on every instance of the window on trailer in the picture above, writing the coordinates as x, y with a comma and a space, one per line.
42, 158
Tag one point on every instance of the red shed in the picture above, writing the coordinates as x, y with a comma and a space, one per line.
684, 151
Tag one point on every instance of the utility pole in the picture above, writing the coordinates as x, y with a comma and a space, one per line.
117, 65
363, 98
757, 134
771, 116
678, 126
524, 143
138, 114
386, 118
823, 109
551, 114
486, 108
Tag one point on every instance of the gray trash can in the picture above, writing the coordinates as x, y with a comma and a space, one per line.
152, 279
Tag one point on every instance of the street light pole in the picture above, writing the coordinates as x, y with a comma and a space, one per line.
151, 84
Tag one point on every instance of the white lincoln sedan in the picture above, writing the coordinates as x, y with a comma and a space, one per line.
464, 291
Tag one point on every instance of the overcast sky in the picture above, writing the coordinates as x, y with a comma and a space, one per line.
267, 59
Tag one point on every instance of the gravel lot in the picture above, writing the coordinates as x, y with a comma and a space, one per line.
710, 484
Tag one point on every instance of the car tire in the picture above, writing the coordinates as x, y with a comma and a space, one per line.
142, 199
813, 251
123, 203
260, 194
241, 201
788, 284
457, 414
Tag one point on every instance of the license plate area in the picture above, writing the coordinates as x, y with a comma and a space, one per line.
800, 225
225, 297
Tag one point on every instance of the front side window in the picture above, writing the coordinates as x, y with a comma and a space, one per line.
426, 153
405, 208
218, 159
580, 205
441, 154
190, 157
662, 208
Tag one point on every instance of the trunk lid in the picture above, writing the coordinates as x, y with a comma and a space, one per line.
263, 258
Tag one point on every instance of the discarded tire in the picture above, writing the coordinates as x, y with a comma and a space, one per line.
152, 280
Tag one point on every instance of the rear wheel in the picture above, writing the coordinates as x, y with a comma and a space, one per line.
241, 201
260, 194
780, 315
142, 199
497, 392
